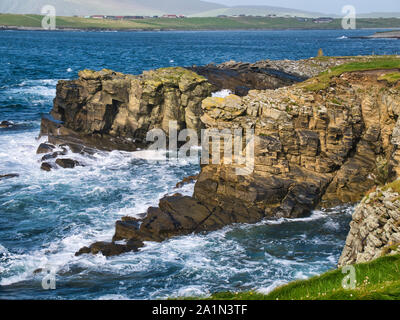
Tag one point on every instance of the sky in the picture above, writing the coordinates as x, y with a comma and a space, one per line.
332, 6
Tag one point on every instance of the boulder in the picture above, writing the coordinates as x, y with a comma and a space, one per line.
47, 166
53, 155
45, 148
6, 124
109, 249
67, 163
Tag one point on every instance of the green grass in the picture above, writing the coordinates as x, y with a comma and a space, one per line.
366, 63
229, 23
376, 280
391, 77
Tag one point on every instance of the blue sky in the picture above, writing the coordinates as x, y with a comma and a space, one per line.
332, 6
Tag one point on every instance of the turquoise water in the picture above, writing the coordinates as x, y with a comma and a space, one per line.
46, 217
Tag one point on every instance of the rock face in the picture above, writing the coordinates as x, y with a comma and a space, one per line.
241, 77
375, 229
311, 149
109, 110
327, 147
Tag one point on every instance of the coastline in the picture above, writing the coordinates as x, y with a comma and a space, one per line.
378, 35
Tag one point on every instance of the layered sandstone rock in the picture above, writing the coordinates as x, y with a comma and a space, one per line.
311, 148
375, 228
109, 110
240, 77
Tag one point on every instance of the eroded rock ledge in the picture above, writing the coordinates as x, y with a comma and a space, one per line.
312, 149
241, 77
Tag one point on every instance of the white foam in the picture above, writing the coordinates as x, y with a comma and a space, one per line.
113, 297
222, 94
275, 284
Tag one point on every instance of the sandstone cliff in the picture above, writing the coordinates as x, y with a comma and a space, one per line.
312, 148
375, 228
320, 143
109, 110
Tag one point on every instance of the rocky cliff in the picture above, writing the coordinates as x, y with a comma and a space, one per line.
312, 148
109, 110
320, 143
375, 228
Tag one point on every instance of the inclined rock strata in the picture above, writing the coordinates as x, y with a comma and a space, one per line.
375, 228
241, 77
311, 148
107, 110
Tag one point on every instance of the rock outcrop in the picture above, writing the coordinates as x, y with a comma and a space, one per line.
8, 176
241, 77
375, 228
312, 148
108, 110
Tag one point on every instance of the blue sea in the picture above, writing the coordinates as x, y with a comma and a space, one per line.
45, 217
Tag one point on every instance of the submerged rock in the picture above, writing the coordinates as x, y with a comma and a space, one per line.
9, 176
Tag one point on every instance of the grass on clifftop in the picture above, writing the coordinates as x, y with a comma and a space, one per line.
322, 81
376, 280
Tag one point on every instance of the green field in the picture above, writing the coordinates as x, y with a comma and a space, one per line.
377, 280
230, 23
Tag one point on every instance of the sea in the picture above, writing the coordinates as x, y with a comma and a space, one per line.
45, 217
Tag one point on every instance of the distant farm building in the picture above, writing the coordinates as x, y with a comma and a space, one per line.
323, 20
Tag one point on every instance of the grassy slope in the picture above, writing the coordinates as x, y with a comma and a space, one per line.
242, 23
367, 63
376, 280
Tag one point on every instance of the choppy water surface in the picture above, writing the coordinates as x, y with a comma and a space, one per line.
46, 217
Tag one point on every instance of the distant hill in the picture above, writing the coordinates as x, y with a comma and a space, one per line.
193, 8
258, 11
109, 7
380, 15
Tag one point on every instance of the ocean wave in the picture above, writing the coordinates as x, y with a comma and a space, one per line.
222, 94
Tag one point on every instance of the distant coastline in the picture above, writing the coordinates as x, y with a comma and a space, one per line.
33, 23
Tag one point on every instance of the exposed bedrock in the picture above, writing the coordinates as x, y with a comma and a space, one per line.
375, 228
241, 77
312, 149
108, 110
